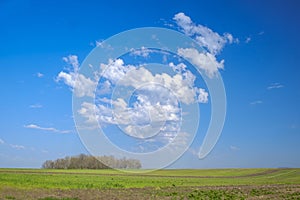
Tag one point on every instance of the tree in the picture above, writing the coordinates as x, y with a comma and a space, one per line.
89, 162
48, 164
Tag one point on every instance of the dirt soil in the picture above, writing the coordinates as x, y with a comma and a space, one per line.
219, 192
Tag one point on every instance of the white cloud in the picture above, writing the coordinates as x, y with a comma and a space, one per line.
73, 61
157, 104
16, 146
181, 84
102, 44
81, 85
248, 39
178, 141
151, 107
143, 51
256, 102
156, 100
275, 86
90, 112
204, 61
40, 75
207, 38
1, 141
153, 111
230, 38
203, 96
36, 106
185, 23
115, 70
178, 68
51, 129
99, 43
261, 33
105, 89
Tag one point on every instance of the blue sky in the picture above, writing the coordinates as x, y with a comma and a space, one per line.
260, 75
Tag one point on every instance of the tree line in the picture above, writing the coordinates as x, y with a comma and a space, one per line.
90, 162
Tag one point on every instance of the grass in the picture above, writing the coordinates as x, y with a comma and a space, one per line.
164, 172
100, 179
173, 184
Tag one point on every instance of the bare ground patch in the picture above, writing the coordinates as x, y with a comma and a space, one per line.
216, 192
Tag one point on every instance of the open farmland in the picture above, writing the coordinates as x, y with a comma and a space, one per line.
161, 184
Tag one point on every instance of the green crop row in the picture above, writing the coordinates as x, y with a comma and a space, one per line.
97, 179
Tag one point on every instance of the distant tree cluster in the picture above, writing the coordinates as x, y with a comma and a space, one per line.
90, 162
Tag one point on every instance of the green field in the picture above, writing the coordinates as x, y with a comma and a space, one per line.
161, 184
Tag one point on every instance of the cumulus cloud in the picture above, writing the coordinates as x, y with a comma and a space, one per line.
204, 61
203, 95
178, 68
1, 141
148, 107
115, 70
156, 105
81, 85
181, 84
157, 99
140, 120
106, 88
73, 61
50, 129
212, 41
90, 112
206, 37
153, 111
